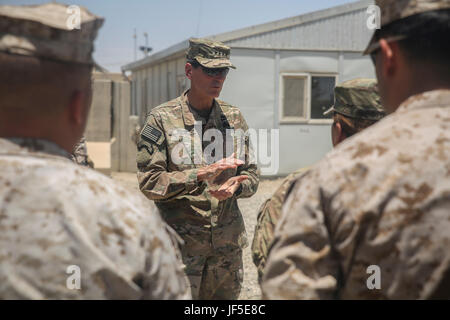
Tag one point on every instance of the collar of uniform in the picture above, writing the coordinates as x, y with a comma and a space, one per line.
215, 114
429, 99
21, 145
188, 117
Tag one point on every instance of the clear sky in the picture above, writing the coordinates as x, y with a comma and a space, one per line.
169, 22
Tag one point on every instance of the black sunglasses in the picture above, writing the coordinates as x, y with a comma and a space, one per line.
214, 72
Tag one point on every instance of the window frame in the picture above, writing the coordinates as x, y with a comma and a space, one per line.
307, 119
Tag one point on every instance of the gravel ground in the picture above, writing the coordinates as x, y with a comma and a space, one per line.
249, 208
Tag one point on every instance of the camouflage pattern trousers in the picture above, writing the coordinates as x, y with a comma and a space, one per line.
216, 275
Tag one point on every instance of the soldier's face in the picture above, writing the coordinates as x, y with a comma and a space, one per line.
208, 85
381, 85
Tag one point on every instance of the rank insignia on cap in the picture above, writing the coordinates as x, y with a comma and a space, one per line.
151, 134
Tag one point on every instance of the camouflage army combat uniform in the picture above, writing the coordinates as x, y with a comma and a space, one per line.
78, 217
68, 232
372, 220
213, 230
80, 155
356, 99
268, 216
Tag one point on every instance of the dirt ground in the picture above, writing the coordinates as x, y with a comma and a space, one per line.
249, 207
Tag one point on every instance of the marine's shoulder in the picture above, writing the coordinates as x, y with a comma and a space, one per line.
395, 144
101, 185
79, 185
433, 98
91, 193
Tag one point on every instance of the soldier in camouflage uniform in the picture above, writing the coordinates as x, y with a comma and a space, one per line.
372, 219
80, 155
67, 232
357, 106
197, 190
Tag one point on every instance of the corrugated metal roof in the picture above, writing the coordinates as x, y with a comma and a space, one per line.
337, 28
343, 32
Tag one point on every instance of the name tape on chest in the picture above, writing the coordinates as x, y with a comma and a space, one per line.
151, 134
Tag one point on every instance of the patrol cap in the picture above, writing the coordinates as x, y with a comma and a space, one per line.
393, 10
47, 31
210, 54
358, 98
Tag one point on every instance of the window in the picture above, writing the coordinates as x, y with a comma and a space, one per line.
294, 101
305, 97
322, 96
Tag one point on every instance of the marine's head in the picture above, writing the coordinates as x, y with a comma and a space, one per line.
46, 64
411, 50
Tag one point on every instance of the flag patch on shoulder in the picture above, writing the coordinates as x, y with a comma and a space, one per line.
150, 133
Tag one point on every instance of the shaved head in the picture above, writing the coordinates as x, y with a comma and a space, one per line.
38, 86
44, 98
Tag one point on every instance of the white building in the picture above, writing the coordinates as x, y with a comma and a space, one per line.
286, 72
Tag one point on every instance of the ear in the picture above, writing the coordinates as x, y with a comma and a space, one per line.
389, 56
337, 135
76, 110
188, 70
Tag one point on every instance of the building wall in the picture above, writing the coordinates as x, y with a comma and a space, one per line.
163, 81
251, 87
110, 128
98, 128
347, 30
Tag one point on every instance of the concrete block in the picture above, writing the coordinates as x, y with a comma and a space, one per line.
122, 144
131, 148
99, 122
100, 153
115, 116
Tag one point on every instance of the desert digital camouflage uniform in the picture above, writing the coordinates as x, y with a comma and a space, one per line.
79, 217
58, 218
213, 230
380, 198
356, 99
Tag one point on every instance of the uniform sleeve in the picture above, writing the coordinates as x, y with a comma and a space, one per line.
79, 154
263, 230
155, 181
302, 263
164, 277
268, 217
250, 168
